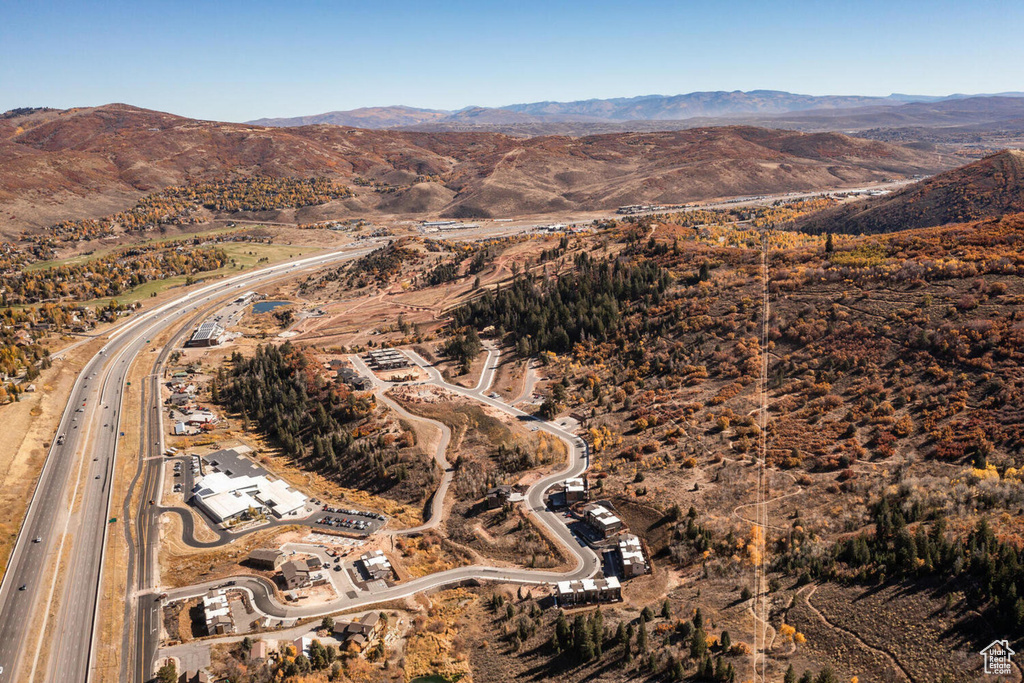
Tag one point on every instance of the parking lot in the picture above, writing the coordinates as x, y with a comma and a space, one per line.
185, 471
351, 521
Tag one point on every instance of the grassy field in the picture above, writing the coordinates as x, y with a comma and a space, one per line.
242, 256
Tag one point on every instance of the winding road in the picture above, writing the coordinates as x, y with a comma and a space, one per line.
587, 561
58, 556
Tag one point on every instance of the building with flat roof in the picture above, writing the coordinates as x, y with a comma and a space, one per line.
224, 497
388, 359
207, 334
602, 520
587, 591
631, 556
201, 417
575, 490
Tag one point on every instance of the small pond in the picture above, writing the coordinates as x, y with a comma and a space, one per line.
264, 306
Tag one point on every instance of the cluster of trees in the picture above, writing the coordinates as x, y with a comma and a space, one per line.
989, 571
553, 314
444, 271
450, 269
110, 275
463, 347
320, 423
380, 265
179, 205
586, 639
826, 675
258, 193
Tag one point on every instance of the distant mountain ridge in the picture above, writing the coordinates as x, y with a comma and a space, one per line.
711, 104
81, 163
364, 117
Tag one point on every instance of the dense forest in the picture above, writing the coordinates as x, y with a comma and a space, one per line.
320, 423
553, 314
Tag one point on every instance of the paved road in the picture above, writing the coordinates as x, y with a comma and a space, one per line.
587, 561
143, 584
69, 507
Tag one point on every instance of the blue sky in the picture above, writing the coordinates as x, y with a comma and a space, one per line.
236, 61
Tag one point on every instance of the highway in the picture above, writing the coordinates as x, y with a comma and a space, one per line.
58, 554
72, 502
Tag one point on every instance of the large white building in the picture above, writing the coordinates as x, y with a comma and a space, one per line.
224, 498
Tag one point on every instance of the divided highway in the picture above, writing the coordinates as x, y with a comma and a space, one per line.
59, 551
58, 557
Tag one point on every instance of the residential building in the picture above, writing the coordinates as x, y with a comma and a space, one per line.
575, 490
267, 558
376, 565
354, 379
498, 496
587, 591
388, 359
260, 650
296, 574
356, 634
217, 613
631, 556
181, 398
602, 520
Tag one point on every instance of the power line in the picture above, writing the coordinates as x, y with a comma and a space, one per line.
760, 609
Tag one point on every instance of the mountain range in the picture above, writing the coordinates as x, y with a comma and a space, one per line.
87, 162
760, 107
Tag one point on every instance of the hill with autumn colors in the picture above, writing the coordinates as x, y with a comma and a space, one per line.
989, 187
89, 162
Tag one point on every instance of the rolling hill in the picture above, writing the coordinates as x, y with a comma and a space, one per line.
364, 117
87, 162
989, 187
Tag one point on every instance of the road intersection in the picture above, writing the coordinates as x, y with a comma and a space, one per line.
67, 517
72, 502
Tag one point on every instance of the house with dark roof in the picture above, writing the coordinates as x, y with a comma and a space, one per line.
267, 558
358, 633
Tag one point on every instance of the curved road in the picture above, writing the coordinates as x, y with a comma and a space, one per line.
69, 506
587, 561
